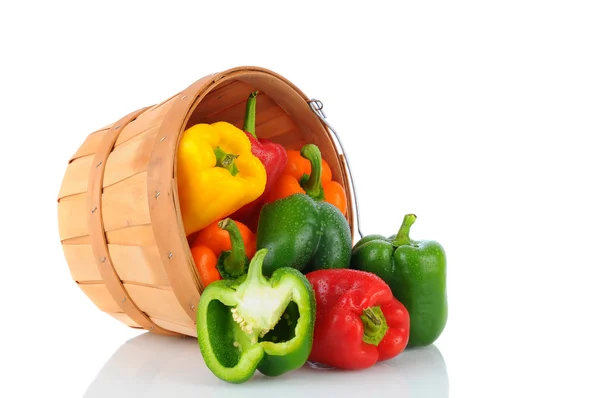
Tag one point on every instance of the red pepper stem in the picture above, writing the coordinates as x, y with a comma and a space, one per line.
313, 186
403, 238
374, 325
236, 260
250, 117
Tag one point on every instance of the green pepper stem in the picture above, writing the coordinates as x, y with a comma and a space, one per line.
313, 186
250, 117
372, 317
403, 238
226, 160
375, 325
236, 260
255, 268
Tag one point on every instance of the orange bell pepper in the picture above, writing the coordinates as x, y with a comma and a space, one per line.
299, 170
222, 250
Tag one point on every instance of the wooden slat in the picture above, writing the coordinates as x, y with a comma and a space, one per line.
139, 264
266, 109
187, 330
129, 159
133, 263
148, 120
99, 294
158, 303
140, 235
291, 139
90, 144
122, 317
277, 124
76, 176
72, 216
229, 94
82, 263
126, 204
79, 240
131, 135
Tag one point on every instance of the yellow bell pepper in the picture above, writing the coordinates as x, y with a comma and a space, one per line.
217, 174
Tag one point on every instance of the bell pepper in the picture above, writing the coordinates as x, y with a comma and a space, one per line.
295, 180
217, 174
222, 250
272, 155
416, 273
256, 323
359, 321
302, 231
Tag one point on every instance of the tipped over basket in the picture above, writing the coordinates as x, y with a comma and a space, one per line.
118, 211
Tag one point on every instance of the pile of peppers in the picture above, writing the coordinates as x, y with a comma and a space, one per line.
283, 284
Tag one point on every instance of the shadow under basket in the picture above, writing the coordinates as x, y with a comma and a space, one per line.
118, 210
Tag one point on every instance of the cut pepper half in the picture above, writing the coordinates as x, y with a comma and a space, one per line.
256, 323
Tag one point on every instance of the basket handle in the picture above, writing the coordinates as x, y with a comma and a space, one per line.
317, 107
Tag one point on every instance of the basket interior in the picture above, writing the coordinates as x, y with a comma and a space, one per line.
227, 102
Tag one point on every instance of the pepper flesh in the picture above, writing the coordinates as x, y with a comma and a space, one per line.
272, 155
416, 273
256, 323
359, 322
217, 174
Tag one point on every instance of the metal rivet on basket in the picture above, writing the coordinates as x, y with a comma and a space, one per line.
98, 164
124, 299
162, 139
192, 306
116, 127
156, 194
170, 254
103, 259
94, 209
151, 327
184, 97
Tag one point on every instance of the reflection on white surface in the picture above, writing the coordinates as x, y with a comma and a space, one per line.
154, 366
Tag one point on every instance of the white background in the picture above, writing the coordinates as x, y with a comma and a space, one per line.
480, 117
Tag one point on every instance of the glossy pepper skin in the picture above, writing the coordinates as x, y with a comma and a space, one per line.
359, 321
256, 323
273, 157
217, 174
294, 179
416, 273
222, 251
302, 231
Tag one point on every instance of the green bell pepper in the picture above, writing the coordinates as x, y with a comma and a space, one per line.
416, 273
303, 231
255, 323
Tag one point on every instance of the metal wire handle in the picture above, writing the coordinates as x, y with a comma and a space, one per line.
317, 107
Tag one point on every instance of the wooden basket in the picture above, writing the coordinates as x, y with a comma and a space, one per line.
118, 210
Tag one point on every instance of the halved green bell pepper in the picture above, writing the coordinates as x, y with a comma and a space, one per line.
255, 323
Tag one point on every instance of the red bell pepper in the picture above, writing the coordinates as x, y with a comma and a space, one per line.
273, 156
359, 322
